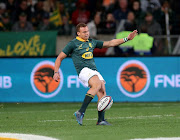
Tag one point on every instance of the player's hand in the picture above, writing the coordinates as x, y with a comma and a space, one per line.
56, 77
132, 35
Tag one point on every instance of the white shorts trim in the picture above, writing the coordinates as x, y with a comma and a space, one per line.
86, 74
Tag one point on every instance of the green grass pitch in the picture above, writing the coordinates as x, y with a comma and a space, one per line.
129, 120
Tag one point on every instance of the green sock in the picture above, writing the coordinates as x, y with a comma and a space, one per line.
86, 102
101, 116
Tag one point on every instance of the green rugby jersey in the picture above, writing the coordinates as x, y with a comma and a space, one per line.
81, 52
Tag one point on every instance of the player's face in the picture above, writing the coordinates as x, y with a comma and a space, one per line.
83, 33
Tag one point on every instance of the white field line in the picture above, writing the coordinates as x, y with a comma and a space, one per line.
24, 136
173, 138
26, 112
115, 118
148, 105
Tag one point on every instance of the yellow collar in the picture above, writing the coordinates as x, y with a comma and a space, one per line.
80, 39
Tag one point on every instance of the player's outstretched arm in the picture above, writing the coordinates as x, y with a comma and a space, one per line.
58, 61
117, 42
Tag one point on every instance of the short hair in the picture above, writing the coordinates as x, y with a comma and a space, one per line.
79, 26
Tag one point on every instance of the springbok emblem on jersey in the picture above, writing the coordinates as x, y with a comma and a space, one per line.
80, 47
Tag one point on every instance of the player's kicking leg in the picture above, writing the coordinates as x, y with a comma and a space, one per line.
95, 86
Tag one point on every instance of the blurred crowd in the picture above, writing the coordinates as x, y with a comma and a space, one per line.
102, 16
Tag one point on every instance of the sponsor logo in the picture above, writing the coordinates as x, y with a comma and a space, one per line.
133, 78
166, 81
73, 80
103, 103
5, 82
42, 80
87, 55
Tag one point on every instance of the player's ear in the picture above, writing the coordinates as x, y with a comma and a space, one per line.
78, 33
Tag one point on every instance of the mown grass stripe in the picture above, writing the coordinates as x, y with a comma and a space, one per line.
114, 118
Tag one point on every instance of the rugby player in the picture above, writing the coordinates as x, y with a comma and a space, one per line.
81, 51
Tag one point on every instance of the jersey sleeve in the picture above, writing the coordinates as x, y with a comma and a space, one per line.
68, 49
99, 44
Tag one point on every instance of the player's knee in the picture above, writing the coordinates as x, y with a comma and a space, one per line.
97, 86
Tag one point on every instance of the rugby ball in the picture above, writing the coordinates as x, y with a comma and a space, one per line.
105, 103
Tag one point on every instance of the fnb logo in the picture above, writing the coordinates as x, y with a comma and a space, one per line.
87, 55
42, 80
133, 78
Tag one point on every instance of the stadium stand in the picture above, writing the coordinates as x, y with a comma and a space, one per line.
161, 17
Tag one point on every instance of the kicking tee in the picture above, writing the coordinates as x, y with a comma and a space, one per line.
81, 52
